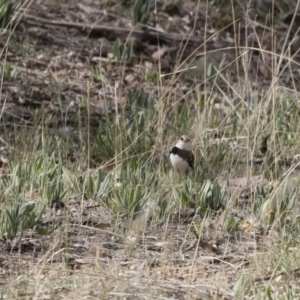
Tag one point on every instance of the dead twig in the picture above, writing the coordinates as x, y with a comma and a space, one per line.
114, 32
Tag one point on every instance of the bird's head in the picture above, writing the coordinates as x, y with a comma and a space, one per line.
184, 143
185, 139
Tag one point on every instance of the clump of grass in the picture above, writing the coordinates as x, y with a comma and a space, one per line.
95, 75
35, 173
18, 217
7, 8
134, 187
140, 10
204, 199
122, 52
7, 72
129, 134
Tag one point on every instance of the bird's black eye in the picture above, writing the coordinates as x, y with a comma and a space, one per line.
181, 138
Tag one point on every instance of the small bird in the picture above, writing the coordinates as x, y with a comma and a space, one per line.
181, 155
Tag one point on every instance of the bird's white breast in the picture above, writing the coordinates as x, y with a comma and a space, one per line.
186, 146
179, 163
